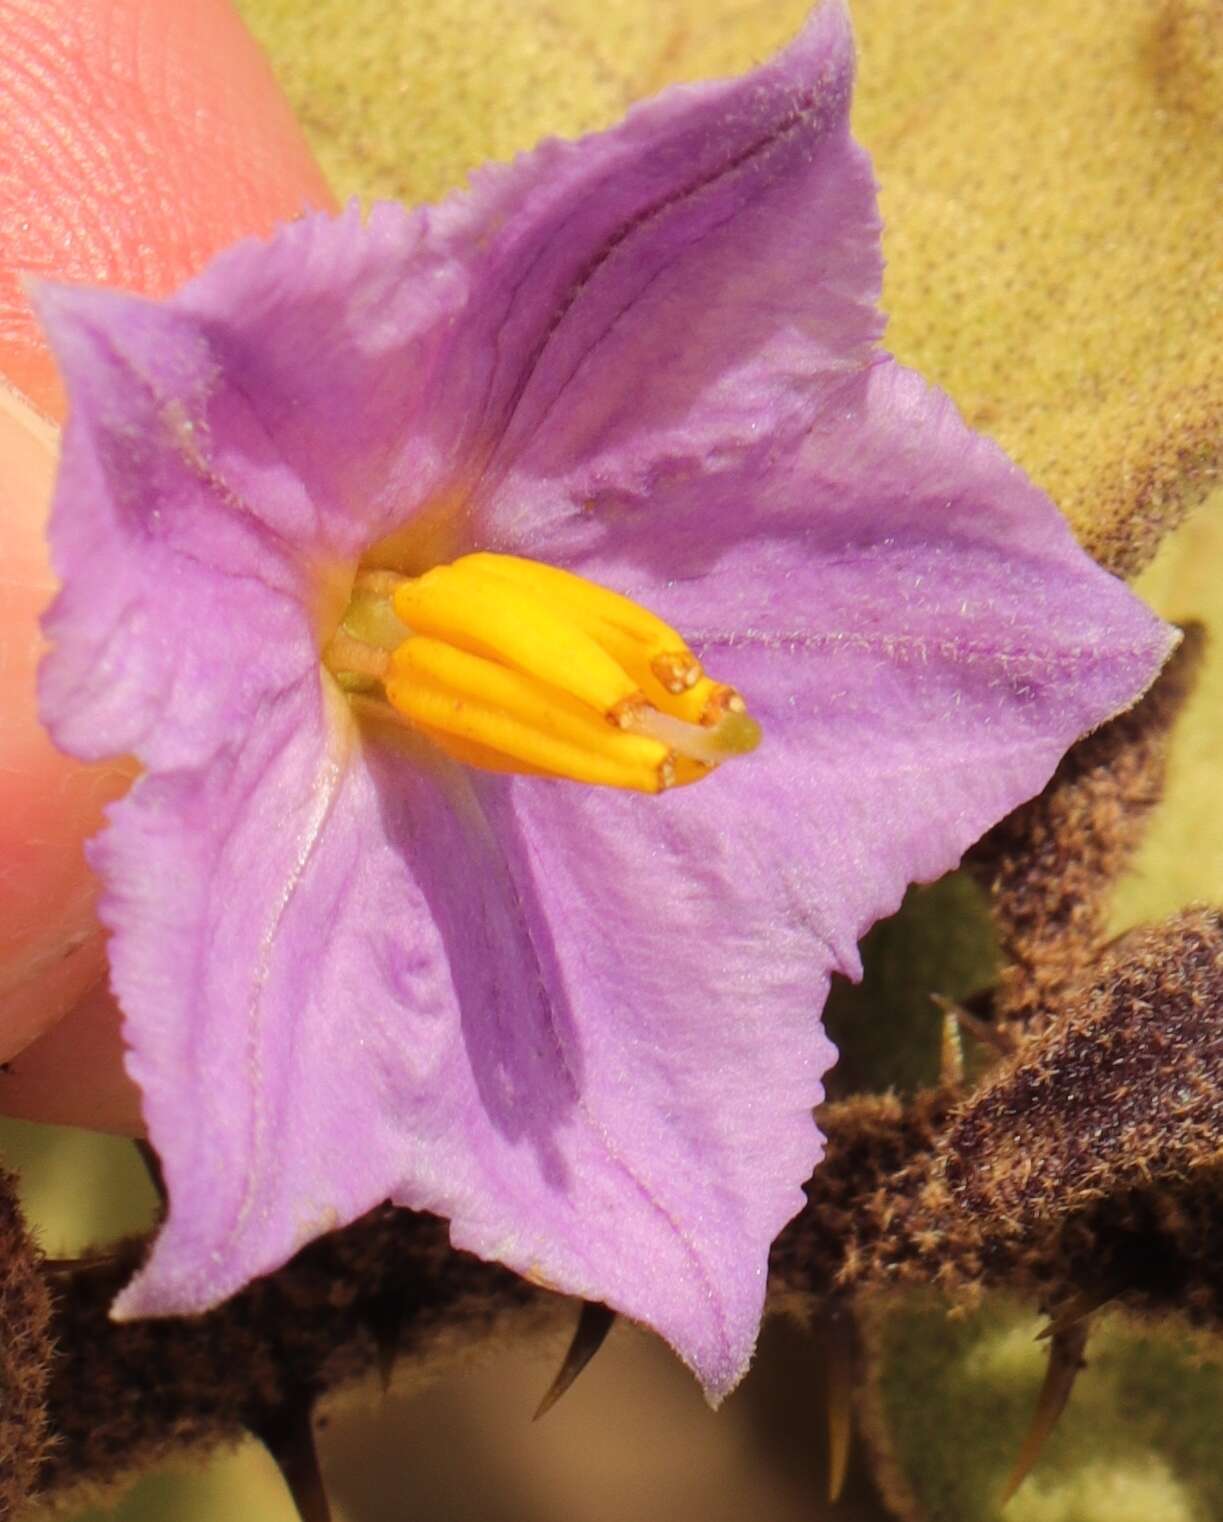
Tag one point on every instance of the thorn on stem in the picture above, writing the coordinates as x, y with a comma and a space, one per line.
594, 1322
152, 1165
1066, 1348
385, 1325
287, 1432
839, 1390
995, 1037
1078, 1308
102, 1258
951, 1052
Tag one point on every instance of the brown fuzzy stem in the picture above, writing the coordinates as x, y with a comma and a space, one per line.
1051, 866
1073, 1169
125, 1396
25, 1353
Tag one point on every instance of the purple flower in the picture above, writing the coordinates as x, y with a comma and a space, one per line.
580, 1022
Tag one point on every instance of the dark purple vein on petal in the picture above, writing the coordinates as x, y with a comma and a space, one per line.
798, 118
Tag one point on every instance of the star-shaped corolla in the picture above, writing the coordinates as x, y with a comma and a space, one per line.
580, 1021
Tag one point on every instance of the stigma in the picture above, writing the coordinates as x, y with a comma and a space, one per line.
510, 665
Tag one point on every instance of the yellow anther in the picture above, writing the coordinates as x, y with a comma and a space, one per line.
589, 604
482, 757
476, 701
493, 618
651, 651
509, 665
677, 670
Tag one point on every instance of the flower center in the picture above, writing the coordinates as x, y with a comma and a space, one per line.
514, 666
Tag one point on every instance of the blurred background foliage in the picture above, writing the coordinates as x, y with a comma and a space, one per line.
1049, 173
1137, 1443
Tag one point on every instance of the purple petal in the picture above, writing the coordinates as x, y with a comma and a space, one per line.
912, 622
180, 605
581, 1025
922, 639
354, 977
699, 273
294, 922
698, 277
254, 432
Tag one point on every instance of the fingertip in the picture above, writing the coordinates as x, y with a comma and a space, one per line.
137, 139
74, 1075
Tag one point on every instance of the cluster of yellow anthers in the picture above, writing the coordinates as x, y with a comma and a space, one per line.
514, 666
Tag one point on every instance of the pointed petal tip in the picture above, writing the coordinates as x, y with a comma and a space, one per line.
825, 39
1162, 644
1173, 639
131, 1304
58, 307
86, 328
121, 1308
62, 305
723, 1378
152, 1293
